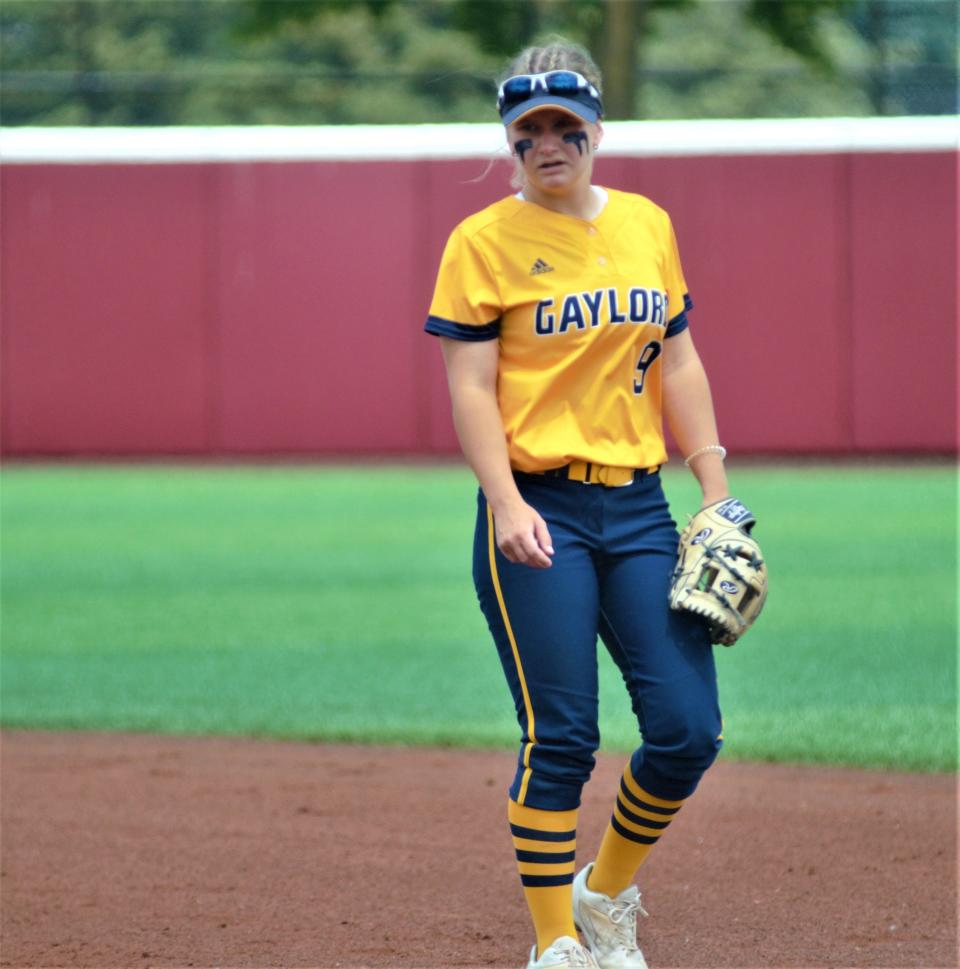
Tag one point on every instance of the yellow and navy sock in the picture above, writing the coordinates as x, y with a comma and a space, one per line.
546, 842
638, 820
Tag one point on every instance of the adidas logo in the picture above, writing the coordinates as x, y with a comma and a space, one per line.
540, 267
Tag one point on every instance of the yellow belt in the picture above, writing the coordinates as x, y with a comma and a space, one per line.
590, 473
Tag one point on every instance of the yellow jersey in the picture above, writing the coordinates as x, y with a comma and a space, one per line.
582, 310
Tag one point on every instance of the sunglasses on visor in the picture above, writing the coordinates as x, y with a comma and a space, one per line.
569, 84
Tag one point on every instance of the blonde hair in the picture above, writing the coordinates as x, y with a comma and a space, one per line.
556, 55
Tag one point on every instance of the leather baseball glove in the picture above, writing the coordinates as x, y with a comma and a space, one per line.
720, 573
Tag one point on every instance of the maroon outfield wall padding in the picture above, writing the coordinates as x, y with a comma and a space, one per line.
107, 279
318, 349
903, 219
255, 308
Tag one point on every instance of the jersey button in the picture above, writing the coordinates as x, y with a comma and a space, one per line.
601, 261
591, 231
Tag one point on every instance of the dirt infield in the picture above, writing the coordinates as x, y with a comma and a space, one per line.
136, 851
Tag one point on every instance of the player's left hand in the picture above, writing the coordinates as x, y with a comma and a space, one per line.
721, 574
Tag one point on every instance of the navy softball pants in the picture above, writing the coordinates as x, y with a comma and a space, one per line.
615, 549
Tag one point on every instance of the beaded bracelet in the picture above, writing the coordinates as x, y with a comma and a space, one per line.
708, 449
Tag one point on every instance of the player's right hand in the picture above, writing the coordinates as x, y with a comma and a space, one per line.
522, 535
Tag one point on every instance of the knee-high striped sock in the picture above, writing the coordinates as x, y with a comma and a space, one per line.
545, 842
638, 821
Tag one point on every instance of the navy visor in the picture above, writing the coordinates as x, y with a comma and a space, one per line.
565, 90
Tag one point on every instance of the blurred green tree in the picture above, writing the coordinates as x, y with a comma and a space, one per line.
101, 63
618, 31
156, 62
915, 48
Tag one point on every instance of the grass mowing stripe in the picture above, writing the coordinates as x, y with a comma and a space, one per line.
336, 603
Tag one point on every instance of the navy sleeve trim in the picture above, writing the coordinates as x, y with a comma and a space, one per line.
461, 331
677, 325
680, 322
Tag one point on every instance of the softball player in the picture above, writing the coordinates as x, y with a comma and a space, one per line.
562, 313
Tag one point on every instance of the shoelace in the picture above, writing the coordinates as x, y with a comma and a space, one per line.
576, 958
579, 959
623, 916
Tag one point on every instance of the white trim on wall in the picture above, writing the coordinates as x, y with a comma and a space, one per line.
442, 141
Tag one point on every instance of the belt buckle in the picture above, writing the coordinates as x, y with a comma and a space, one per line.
602, 474
615, 477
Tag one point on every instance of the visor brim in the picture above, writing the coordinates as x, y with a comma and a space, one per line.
576, 108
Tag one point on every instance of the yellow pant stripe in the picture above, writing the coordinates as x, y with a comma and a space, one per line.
527, 705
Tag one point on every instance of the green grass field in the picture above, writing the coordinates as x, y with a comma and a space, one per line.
336, 603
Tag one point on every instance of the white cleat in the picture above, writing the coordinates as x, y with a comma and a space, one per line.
564, 953
608, 924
